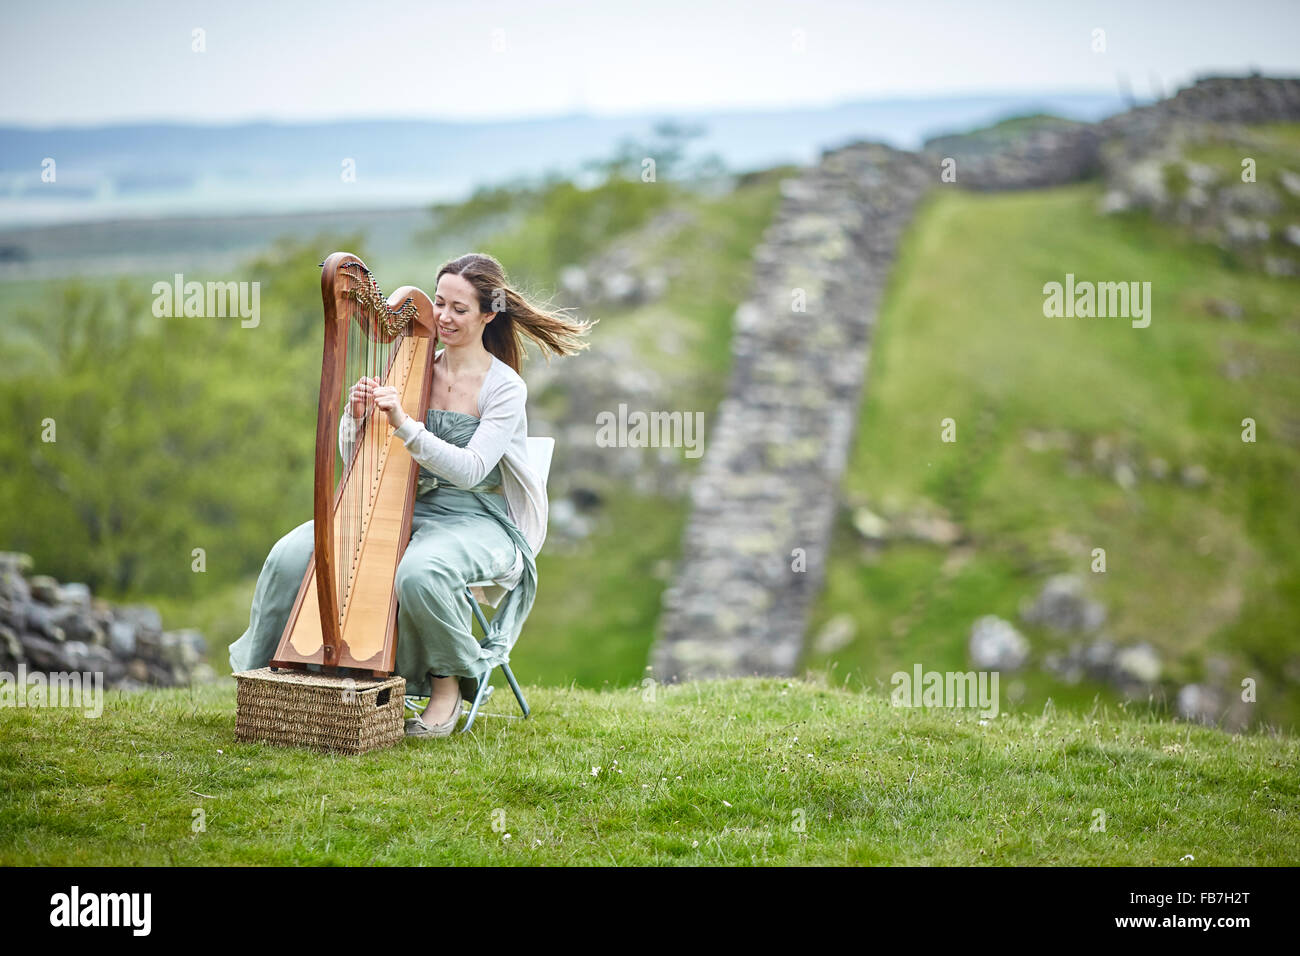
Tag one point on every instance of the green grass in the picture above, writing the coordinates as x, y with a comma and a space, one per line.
1198, 572
754, 771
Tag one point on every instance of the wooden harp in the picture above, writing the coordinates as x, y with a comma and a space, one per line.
345, 615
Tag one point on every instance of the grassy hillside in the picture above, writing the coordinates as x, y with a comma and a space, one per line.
719, 772
1075, 434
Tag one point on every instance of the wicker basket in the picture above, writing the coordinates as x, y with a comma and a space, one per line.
301, 709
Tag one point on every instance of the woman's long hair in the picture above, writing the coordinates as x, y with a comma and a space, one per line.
552, 330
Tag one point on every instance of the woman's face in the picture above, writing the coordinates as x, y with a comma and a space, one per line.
456, 311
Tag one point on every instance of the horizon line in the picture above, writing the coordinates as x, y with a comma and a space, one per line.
664, 112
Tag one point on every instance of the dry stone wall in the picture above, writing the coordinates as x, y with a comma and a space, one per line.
764, 498
762, 504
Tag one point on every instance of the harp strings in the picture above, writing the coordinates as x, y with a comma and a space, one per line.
378, 347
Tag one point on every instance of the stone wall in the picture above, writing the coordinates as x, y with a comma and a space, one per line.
1054, 151
1047, 153
767, 485
61, 628
769, 481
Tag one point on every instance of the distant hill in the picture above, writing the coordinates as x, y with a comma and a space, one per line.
175, 169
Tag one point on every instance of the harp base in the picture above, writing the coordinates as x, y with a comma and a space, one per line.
318, 711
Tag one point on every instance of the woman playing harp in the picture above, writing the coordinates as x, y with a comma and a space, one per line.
480, 511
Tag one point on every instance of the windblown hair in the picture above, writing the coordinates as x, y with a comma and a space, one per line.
552, 329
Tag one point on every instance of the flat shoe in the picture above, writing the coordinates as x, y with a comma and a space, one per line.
415, 727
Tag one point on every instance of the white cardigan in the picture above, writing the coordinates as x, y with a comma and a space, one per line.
501, 436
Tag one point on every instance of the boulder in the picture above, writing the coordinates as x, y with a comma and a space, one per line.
41, 621
75, 594
121, 638
45, 589
1138, 664
996, 645
836, 634
13, 586
15, 561
1063, 606
11, 648
1200, 703
870, 525
45, 655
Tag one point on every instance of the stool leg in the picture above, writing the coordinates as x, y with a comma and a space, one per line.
514, 686
482, 685
478, 700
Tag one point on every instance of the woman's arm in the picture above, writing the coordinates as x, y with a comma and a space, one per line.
466, 467
347, 435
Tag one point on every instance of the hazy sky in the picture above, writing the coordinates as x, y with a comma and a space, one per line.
100, 62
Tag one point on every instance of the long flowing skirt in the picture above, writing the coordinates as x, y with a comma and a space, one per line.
458, 537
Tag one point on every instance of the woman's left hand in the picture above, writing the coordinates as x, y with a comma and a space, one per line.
387, 400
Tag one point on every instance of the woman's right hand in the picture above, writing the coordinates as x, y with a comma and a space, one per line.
361, 395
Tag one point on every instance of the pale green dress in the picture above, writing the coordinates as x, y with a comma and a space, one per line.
458, 537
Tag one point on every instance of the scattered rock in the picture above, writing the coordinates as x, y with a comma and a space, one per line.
1235, 369
1139, 664
566, 520
620, 287
1200, 703
917, 526
837, 633
930, 529
1115, 200
1125, 475
996, 645
1250, 200
586, 499
870, 525
1279, 266
1098, 658
1225, 308
573, 282
1240, 231
1063, 606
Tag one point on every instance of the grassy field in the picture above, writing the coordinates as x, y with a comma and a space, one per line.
720, 772
1048, 412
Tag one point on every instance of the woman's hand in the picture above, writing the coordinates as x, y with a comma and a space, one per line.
387, 400
361, 395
